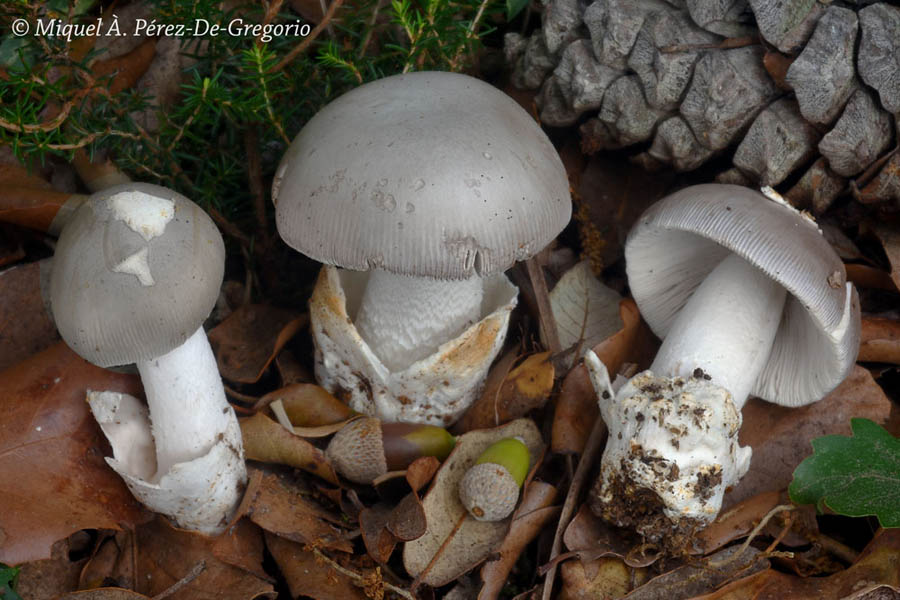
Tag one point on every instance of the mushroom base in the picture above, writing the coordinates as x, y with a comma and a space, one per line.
672, 450
200, 494
436, 389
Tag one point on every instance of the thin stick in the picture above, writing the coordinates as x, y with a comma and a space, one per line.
545, 313
255, 183
299, 48
591, 450
187, 579
418, 580
753, 534
359, 578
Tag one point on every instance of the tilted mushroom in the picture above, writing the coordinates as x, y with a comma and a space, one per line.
426, 186
749, 299
136, 271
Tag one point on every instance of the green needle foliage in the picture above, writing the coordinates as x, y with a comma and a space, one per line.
854, 476
241, 95
8, 583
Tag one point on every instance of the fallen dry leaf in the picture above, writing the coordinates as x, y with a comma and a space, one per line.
248, 340
703, 576
380, 542
51, 455
879, 340
890, 241
165, 555
111, 565
308, 405
876, 567
524, 388
576, 406
736, 522
308, 575
609, 578
533, 513
585, 310
780, 436
26, 326
473, 540
589, 538
35, 207
128, 68
267, 441
407, 520
103, 594
290, 369
279, 504
55, 575
483, 407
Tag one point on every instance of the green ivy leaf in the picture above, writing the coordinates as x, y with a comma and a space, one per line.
514, 7
7, 582
854, 476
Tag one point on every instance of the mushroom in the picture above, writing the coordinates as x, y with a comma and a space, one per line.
428, 185
749, 299
136, 271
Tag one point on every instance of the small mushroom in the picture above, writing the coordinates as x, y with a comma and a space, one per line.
136, 271
432, 184
365, 448
490, 488
749, 299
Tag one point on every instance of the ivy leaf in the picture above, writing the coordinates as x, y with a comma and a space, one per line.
8, 582
854, 476
514, 7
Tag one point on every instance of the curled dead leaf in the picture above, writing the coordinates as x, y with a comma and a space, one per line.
267, 441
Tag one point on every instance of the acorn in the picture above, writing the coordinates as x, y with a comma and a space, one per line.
490, 489
366, 448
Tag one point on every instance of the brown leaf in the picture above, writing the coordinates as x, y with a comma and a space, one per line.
420, 472
267, 441
51, 455
534, 512
490, 396
247, 341
104, 594
879, 340
111, 564
407, 519
524, 388
279, 505
380, 542
291, 370
34, 207
601, 578
777, 65
704, 576
890, 241
472, 542
308, 576
876, 567
736, 522
576, 406
590, 538
128, 68
56, 575
781, 436
308, 405
26, 326
165, 555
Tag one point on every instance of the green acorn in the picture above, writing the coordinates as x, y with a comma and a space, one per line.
366, 448
490, 489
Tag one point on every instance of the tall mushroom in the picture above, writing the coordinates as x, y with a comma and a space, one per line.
749, 299
136, 271
433, 184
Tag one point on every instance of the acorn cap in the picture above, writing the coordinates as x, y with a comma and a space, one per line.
490, 489
137, 269
430, 174
679, 240
357, 450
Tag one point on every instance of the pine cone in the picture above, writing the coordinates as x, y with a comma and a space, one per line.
801, 94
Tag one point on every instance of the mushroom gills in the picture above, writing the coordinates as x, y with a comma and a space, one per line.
726, 329
405, 318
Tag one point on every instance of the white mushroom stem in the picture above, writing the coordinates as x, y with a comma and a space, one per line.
185, 458
726, 328
187, 401
405, 318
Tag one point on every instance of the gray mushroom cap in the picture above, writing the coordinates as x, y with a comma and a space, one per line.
683, 237
124, 289
426, 174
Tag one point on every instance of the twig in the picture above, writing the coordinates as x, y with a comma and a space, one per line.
739, 42
364, 46
591, 450
470, 34
271, 13
359, 578
545, 313
228, 227
753, 534
299, 48
187, 579
254, 180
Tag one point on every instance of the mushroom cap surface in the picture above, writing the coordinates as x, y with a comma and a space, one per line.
136, 271
427, 174
681, 238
